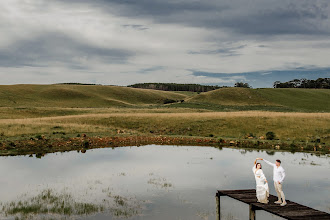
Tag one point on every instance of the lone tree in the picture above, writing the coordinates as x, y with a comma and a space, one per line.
243, 85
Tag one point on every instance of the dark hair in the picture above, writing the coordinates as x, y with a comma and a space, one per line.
278, 161
257, 165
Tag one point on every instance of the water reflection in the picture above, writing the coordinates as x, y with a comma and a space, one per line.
149, 182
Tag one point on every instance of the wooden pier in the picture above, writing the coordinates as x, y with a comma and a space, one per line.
292, 211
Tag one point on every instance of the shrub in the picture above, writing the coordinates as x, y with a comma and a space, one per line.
293, 148
270, 135
167, 101
85, 144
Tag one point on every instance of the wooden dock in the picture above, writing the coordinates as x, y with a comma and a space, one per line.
292, 211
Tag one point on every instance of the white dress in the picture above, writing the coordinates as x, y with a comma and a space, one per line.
262, 188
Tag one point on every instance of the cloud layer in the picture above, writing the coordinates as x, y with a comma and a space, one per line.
186, 41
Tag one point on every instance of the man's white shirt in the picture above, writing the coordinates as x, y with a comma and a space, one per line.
278, 172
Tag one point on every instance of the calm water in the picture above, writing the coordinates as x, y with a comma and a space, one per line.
151, 182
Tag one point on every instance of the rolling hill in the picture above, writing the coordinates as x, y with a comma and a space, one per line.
231, 96
98, 96
64, 95
316, 100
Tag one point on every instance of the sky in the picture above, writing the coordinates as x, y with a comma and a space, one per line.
122, 42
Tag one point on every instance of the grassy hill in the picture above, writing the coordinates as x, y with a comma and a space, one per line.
315, 100
62, 95
231, 96
299, 99
224, 99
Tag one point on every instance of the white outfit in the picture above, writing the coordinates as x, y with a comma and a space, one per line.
262, 188
278, 172
278, 176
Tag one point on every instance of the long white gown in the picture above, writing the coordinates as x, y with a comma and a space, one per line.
262, 188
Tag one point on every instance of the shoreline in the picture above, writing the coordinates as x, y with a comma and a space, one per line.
42, 146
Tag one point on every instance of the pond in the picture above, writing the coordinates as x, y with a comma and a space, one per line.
151, 182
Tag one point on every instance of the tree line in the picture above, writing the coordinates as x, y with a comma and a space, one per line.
175, 87
320, 83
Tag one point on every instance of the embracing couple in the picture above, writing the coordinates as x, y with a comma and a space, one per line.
262, 189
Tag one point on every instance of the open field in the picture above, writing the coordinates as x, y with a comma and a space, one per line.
67, 111
287, 126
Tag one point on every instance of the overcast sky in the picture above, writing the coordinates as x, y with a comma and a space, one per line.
121, 42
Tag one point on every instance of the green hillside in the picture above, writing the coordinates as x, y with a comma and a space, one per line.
231, 96
224, 99
61, 95
316, 100
299, 99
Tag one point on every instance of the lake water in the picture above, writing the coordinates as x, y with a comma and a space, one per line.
151, 182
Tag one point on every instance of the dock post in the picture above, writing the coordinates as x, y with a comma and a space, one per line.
252, 212
217, 198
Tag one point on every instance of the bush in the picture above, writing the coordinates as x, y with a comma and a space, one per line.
86, 144
242, 85
270, 135
293, 148
167, 101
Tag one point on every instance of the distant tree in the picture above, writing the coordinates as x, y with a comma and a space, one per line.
175, 87
320, 83
276, 84
243, 85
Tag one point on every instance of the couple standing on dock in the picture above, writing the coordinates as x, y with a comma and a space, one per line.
262, 188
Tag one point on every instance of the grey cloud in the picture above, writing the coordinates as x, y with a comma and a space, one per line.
136, 26
156, 7
58, 48
293, 18
227, 25
224, 51
257, 17
151, 69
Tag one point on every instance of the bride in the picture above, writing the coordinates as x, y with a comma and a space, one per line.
262, 188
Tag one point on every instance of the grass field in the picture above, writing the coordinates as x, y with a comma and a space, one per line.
294, 115
301, 127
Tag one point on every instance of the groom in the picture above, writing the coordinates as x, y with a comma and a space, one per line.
278, 177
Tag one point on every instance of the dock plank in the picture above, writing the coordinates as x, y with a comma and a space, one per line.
292, 211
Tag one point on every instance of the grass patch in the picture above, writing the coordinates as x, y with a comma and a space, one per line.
52, 205
49, 203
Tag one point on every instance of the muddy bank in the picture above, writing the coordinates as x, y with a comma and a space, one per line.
41, 146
